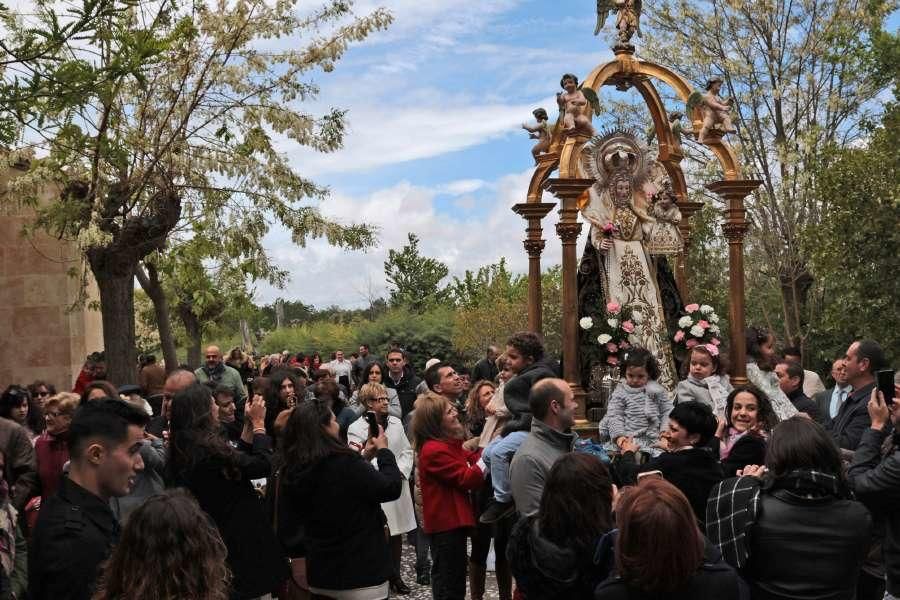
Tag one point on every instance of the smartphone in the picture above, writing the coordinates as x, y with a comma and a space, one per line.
885, 382
373, 423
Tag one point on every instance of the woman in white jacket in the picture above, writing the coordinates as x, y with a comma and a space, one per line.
399, 513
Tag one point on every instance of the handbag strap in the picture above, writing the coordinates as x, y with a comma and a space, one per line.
277, 498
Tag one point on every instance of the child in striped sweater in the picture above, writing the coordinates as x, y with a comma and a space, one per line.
638, 408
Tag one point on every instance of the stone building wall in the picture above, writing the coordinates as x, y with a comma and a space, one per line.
40, 337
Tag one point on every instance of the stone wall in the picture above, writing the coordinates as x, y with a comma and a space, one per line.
40, 337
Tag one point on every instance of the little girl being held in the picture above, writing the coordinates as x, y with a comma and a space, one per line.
706, 381
639, 407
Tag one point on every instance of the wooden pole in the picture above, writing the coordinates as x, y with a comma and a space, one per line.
533, 212
568, 190
735, 227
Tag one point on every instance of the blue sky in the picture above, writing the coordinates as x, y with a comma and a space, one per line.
435, 146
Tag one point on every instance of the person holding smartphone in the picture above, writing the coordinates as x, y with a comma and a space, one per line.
399, 513
875, 478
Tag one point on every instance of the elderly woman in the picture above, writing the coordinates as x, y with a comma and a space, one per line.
51, 448
400, 516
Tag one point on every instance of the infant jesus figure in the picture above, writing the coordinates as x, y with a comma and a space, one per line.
663, 237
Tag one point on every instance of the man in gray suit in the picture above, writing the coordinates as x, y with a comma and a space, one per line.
830, 401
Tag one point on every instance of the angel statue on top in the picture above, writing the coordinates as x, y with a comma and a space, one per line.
576, 104
628, 18
716, 112
617, 266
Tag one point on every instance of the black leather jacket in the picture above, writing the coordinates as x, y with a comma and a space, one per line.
809, 548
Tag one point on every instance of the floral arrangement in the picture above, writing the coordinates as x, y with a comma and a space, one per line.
613, 330
699, 327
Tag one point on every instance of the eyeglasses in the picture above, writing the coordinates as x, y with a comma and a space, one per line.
382, 399
52, 415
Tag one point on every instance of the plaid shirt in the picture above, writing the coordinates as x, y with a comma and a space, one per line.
731, 511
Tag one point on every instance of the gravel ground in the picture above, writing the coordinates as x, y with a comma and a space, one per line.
420, 592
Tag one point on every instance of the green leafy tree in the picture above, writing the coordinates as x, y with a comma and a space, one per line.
854, 248
805, 76
174, 109
414, 281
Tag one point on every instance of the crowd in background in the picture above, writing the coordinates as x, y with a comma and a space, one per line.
286, 476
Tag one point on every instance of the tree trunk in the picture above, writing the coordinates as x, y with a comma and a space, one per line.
151, 285
279, 313
795, 286
194, 333
117, 301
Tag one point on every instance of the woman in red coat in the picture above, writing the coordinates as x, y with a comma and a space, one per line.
447, 475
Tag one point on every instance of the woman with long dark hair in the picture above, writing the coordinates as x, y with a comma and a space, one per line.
374, 372
335, 495
552, 553
170, 532
17, 404
660, 552
219, 476
743, 434
799, 532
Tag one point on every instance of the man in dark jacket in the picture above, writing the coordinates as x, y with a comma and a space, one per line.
486, 368
876, 479
76, 530
862, 360
21, 468
402, 378
790, 380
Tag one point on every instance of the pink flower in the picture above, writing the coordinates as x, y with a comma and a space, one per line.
628, 326
692, 308
613, 307
624, 345
713, 349
691, 343
611, 347
715, 341
679, 335
613, 360
703, 324
609, 229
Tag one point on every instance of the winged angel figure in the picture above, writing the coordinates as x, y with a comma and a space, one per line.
628, 20
576, 104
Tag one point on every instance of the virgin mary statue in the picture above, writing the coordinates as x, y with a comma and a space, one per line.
617, 267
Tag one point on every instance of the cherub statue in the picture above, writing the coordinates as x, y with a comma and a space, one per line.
662, 233
628, 20
716, 112
576, 104
540, 132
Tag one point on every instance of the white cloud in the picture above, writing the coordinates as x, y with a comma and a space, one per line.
323, 275
461, 186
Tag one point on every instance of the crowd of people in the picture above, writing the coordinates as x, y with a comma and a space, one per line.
288, 477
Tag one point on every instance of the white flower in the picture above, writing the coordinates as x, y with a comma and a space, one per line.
685, 321
586, 322
706, 309
636, 317
697, 331
713, 318
612, 323
604, 338
714, 329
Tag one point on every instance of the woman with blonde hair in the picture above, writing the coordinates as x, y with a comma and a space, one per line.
170, 532
51, 448
399, 513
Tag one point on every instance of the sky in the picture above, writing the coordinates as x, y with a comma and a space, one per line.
435, 146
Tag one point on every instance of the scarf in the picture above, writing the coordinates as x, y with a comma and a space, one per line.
7, 530
732, 509
215, 374
808, 483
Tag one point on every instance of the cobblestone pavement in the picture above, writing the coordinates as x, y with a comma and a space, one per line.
421, 592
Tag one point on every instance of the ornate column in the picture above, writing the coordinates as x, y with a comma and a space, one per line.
533, 212
568, 190
735, 226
